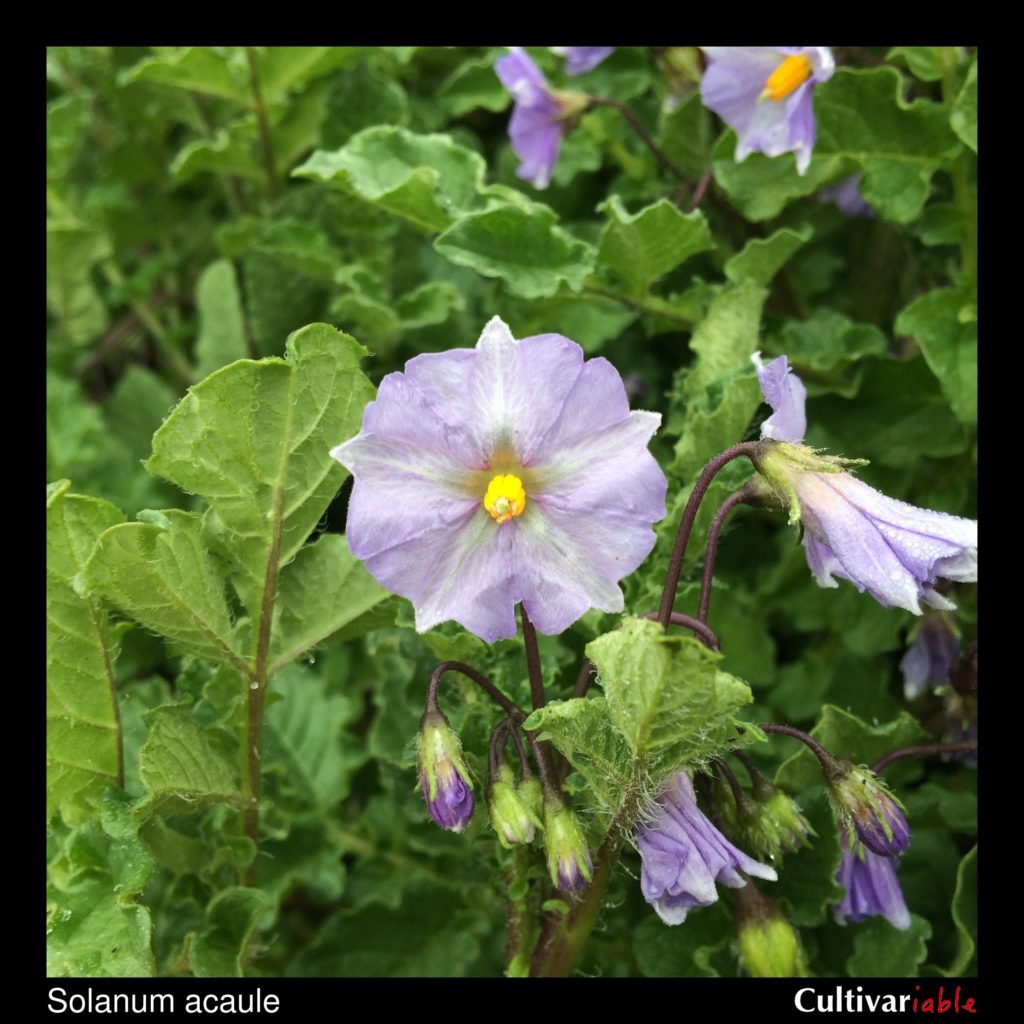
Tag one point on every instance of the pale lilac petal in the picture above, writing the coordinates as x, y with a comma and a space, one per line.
581, 59
929, 659
784, 391
822, 562
871, 888
732, 87
521, 76
846, 195
534, 129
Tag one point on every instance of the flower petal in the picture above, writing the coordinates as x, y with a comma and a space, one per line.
784, 391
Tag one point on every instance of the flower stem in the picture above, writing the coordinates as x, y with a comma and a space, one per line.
702, 629
925, 750
532, 660
480, 679
745, 448
564, 935
266, 143
830, 765
710, 552
522, 924
645, 137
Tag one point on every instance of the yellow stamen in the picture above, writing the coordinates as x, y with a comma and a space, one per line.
786, 78
505, 497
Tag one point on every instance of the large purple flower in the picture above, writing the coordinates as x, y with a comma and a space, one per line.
895, 551
537, 124
764, 94
872, 889
511, 472
684, 855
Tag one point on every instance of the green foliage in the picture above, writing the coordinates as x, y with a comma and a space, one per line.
210, 211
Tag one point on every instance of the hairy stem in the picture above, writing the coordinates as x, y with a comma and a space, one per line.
514, 712
925, 750
711, 551
522, 924
745, 448
830, 765
532, 660
702, 629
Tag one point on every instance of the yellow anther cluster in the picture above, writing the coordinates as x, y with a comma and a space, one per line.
787, 78
505, 497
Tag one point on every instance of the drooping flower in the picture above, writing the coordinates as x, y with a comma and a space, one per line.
895, 551
929, 659
846, 195
764, 94
569, 863
581, 59
512, 472
872, 889
768, 824
864, 803
784, 391
444, 777
511, 815
539, 118
684, 855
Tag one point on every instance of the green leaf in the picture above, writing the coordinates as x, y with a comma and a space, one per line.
923, 61
288, 67
666, 695
945, 324
162, 575
583, 731
221, 321
433, 302
308, 751
965, 915
847, 736
83, 740
827, 343
525, 248
253, 439
685, 134
863, 117
181, 770
473, 84
231, 151
964, 116
425, 179
590, 320
662, 951
95, 928
323, 591
727, 337
137, 407
219, 949
358, 98
71, 253
432, 935
762, 258
642, 247
881, 951
909, 418
199, 68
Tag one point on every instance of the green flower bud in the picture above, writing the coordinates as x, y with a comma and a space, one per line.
769, 946
569, 863
511, 816
863, 801
444, 777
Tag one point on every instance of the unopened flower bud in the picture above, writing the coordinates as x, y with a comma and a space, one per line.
444, 777
769, 946
533, 795
772, 823
863, 800
512, 817
569, 863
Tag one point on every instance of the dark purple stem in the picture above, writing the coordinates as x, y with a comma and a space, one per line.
925, 750
830, 765
700, 190
532, 660
515, 713
711, 551
745, 448
702, 629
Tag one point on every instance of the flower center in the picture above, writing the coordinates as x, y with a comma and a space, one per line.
505, 497
786, 78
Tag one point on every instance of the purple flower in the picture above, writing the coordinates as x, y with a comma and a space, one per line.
581, 59
872, 889
684, 855
444, 777
538, 119
764, 94
929, 659
895, 551
511, 472
846, 195
863, 802
784, 391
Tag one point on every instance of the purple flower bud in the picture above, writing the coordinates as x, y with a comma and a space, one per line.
929, 659
444, 777
569, 863
684, 855
872, 889
863, 802
764, 94
581, 59
846, 195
